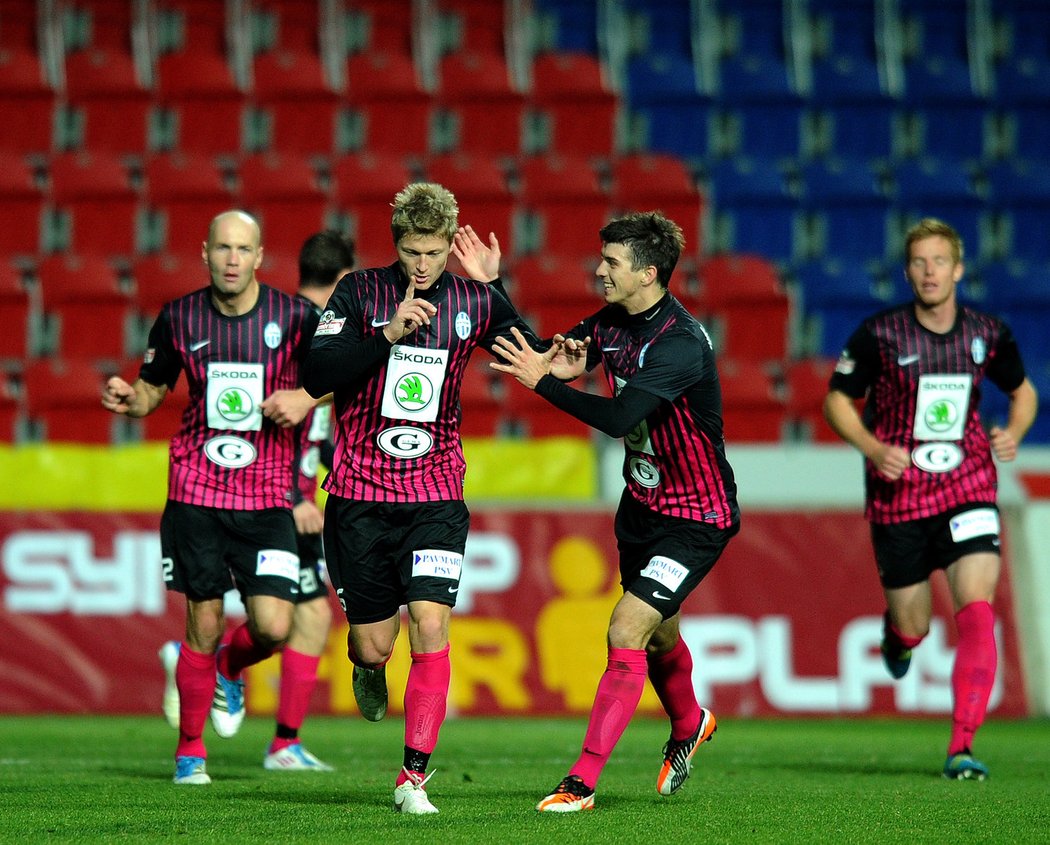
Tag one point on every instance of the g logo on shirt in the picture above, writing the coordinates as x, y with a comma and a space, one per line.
231, 452
405, 442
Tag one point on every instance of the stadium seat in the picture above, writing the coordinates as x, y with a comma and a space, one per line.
555, 291
363, 187
660, 27
478, 98
654, 181
291, 88
18, 315
472, 24
183, 192
11, 414
806, 385
22, 206
162, 277
755, 210
284, 193
567, 202
380, 25
752, 410
849, 208
532, 416
481, 399
676, 118
570, 90
197, 26
1018, 192
758, 100
27, 103
96, 208
104, 90
63, 402
567, 25
293, 25
206, 105
482, 193
90, 305
280, 268
391, 111
744, 295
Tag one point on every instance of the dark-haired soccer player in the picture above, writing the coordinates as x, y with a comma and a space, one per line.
231, 470
678, 510
393, 345
929, 475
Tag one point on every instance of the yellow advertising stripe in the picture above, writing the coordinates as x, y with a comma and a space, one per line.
133, 478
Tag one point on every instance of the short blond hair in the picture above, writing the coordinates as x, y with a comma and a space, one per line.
931, 227
424, 208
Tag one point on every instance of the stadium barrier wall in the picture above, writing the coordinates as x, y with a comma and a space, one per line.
788, 622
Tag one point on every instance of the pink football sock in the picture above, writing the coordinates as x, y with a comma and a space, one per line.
617, 697
195, 678
426, 699
973, 673
241, 651
298, 679
671, 675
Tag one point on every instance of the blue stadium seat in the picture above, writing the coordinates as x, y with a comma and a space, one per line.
849, 208
1019, 194
574, 24
662, 90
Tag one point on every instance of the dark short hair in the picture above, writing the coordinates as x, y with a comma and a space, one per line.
323, 257
654, 241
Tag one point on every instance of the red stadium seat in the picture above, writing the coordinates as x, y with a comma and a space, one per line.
744, 293
659, 182
103, 86
393, 111
280, 268
477, 92
27, 102
481, 398
533, 416
11, 414
17, 314
91, 303
566, 197
385, 25
806, 383
206, 103
752, 410
571, 90
290, 86
94, 193
554, 292
183, 192
63, 402
285, 194
162, 277
364, 186
22, 207
474, 24
484, 197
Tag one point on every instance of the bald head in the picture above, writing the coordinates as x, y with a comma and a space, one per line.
241, 217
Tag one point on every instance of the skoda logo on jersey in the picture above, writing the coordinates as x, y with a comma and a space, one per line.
272, 335
234, 404
230, 452
643, 472
641, 356
979, 350
405, 442
413, 391
937, 457
463, 325
941, 415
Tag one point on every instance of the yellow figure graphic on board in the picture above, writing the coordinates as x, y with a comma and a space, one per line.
579, 616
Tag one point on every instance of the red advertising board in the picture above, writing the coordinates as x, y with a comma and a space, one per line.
788, 622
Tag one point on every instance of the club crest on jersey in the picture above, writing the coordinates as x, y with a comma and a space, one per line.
463, 325
272, 335
413, 391
979, 350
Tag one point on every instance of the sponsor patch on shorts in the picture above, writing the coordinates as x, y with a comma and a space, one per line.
976, 523
436, 563
279, 563
668, 572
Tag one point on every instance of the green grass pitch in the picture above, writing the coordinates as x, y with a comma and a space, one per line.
108, 779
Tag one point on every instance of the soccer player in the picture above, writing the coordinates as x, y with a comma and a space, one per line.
323, 259
678, 510
929, 476
393, 345
228, 518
